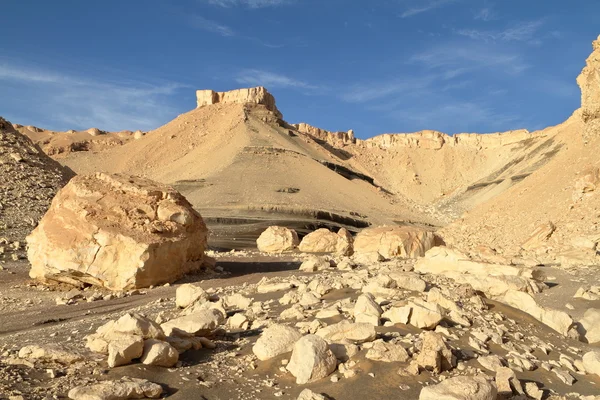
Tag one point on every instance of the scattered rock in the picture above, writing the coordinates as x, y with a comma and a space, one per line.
324, 241
311, 360
275, 340
159, 353
199, 323
394, 241
434, 354
277, 239
347, 332
560, 321
188, 294
460, 388
51, 352
122, 389
589, 325
123, 349
314, 263
591, 362
387, 352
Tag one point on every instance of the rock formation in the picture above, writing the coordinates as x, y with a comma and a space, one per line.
117, 231
589, 83
334, 138
255, 95
394, 241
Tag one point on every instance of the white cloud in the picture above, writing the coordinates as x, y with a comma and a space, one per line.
485, 14
521, 32
71, 102
250, 3
257, 77
208, 25
424, 6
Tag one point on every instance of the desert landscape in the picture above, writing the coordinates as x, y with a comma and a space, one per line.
231, 254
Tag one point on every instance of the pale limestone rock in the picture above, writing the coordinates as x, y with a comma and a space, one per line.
589, 325
50, 352
199, 323
344, 351
311, 360
308, 394
123, 349
188, 294
539, 236
434, 354
324, 241
238, 321
369, 258
425, 315
277, 239
460, 388
409, 281
237, 301
255, 95
589, 83
347, 332
394, 241
135, 324
533, 391
159, 353
275, 340
398, 315
273, 287
122, 389
366, 309
591, 362
506, 381
314, 263
560, 321
492, 362
117, 231
387, 352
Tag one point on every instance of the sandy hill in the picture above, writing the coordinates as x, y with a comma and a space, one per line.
237, 160
29, 179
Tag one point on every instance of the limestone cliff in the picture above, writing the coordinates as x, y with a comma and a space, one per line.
589, 82
334, 138
256, 95
434, 140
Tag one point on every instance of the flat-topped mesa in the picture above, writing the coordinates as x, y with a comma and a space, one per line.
255, 95
589, 82
334, 138
434, 140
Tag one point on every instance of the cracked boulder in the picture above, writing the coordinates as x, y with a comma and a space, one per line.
117, 231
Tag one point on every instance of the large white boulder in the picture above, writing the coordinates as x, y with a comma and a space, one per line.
460, 388
117, 231
275, 340
311, 360
394, 241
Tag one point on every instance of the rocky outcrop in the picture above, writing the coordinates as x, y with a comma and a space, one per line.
277, 239
337, 139
589, 83
255, 95
117, 231
394, 241
434, 140
324, 241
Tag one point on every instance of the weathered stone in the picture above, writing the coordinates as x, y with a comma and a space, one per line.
560, 321
324, 241
275, 340
398, 315
591, 362
159, 353
199, 323
539, 236
117, 231
135, 324
273, 287
347, 332
122, 389
409, 281
434, 354
188, 294
492, 362
311, 360
255, 95
51, 352
314, 263
425, 315
367, 309
238, 321
394, 241
589, 325
506, 381
387, 352
460, 388
123, 349
277, 239
238, 301
308, 394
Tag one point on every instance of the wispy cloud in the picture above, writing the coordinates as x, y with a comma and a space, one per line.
521, 32
485, 14
73, 102
425, 6
199, 22
257, 77
250, 3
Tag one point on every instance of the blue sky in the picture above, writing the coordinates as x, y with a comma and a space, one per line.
373, 66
